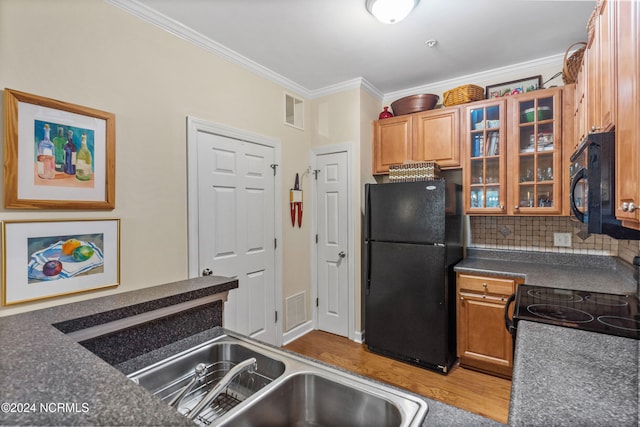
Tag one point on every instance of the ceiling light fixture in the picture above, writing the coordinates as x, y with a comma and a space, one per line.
390, 11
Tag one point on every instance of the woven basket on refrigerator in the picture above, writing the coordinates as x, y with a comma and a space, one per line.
414, 171
462, 95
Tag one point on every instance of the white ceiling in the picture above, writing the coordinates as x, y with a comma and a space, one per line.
320, 43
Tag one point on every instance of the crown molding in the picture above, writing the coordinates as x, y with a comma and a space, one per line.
357, 83
174, 27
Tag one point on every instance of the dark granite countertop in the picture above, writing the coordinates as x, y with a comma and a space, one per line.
569, 377
584, 272
49, 379
46, 378
564, 376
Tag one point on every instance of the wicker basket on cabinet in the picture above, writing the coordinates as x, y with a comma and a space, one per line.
462, 95
573, 63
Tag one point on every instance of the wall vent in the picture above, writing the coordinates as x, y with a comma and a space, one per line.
293, 111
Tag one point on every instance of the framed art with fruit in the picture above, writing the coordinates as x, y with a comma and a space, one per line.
514, 87
46, 259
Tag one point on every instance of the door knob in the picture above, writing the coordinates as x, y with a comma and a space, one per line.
341, 254
207, 272
628, 207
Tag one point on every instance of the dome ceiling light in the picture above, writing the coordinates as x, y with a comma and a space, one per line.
390, 11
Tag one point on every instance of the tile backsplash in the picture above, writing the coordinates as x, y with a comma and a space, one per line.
536, 234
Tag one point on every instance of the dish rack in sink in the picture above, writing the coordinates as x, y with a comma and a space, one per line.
239, 388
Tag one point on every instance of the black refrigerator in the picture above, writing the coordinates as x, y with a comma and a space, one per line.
413, 236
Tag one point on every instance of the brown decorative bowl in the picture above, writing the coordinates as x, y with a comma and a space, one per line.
414, 104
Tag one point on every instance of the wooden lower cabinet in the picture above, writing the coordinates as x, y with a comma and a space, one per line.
483, 342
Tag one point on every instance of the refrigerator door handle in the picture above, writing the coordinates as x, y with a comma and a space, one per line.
367, 271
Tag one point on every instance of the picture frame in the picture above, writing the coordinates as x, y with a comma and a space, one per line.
46, 160
514, 87
51, 258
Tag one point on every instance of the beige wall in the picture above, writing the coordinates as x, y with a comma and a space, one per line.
93, 54
345, 118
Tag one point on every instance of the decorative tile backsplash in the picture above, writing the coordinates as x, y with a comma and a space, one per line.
536, 234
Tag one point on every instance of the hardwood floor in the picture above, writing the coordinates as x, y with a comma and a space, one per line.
463, 388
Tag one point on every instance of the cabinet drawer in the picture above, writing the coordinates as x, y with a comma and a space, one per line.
490, 285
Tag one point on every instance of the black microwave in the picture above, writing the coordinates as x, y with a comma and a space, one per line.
592, 195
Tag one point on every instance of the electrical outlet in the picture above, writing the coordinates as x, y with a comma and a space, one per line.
562, 239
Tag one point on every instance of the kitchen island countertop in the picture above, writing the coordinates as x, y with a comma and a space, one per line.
570, 377
49, 379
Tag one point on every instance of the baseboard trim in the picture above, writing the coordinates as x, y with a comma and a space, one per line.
297, 332
307, 327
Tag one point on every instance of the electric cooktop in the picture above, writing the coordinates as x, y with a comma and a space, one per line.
591, 311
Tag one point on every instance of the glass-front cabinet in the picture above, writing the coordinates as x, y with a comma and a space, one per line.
534, 153
513, 155
485, 169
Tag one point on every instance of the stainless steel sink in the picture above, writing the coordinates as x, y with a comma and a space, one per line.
310, 399
285, 390
168, 378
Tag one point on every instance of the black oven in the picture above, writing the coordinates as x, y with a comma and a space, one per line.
592, 195
605, 313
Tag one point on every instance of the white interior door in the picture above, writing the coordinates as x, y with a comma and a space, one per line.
333, 249
236, 228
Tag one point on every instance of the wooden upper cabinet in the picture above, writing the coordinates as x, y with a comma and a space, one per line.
484, 144
437, 137
392, 139
535, 170
432, 135
580, 106
600, 64
513, 154
628, 112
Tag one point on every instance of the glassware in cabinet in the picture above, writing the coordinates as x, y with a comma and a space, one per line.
485, 170
536, 163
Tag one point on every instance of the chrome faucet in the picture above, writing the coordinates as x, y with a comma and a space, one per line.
250, 365
199, 373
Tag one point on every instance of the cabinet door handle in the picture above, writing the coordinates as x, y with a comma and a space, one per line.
508, 322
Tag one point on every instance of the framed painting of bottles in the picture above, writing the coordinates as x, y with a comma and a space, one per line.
57, 155
51, 258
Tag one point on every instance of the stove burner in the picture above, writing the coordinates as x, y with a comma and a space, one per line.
557, 295
559, 313
620, 323
608, 299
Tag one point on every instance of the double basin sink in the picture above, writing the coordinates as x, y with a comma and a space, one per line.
234, 381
